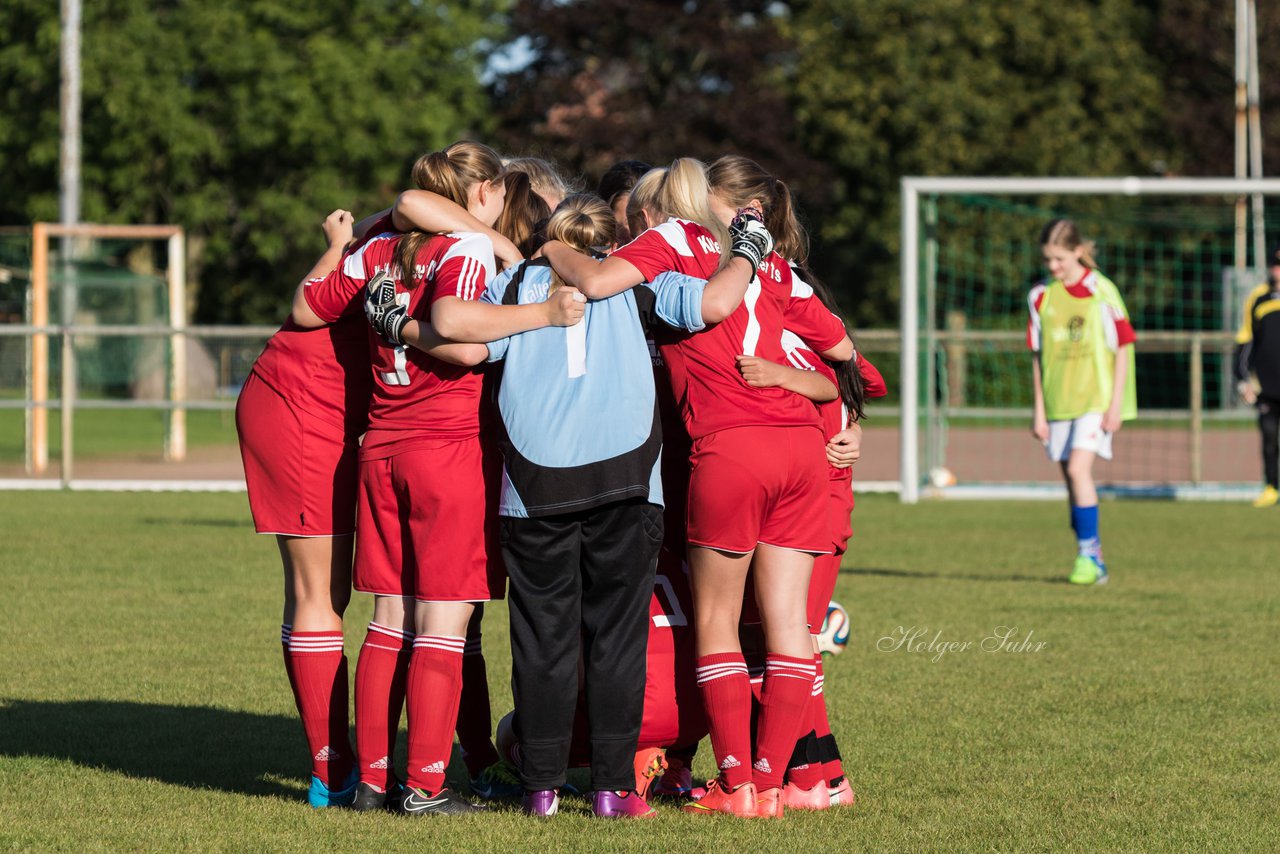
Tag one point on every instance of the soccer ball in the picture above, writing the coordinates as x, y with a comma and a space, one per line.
834, 636
942, 477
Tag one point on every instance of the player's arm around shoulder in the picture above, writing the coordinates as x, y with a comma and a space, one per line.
338, 229
678, 301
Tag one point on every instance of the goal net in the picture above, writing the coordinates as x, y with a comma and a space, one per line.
1175, 249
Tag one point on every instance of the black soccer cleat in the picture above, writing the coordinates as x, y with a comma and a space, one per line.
369, 797
443, 802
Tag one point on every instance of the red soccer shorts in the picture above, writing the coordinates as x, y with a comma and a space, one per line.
421, 525
759, 485
840, 505
300, 470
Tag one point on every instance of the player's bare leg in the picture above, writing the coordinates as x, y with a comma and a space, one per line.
1078, 470
782, 590
317, 581
718, 580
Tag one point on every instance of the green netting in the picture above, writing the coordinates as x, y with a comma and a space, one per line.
1173, 260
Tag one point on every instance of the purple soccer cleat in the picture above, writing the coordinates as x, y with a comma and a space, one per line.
542, 803
609, 804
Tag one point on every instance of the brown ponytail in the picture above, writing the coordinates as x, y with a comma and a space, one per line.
450, 173
737, 180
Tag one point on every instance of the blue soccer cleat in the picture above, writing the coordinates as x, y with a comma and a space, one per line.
320, 795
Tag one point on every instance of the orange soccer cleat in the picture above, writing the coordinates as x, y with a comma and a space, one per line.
796, 798
650, 763
769, 803
842, 795
740, 802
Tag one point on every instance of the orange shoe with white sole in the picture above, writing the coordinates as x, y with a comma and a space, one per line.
842, 795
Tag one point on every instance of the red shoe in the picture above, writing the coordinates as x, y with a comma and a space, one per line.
769, 803
796, 798
740, 802
842, 795
650, 763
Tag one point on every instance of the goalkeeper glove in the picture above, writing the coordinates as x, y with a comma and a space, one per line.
751, 240
387, 317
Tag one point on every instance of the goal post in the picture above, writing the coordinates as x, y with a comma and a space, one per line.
1174, 236
38, 375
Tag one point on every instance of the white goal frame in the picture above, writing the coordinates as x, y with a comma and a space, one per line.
914, 187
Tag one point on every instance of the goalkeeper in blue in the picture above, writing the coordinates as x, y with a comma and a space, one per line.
1083, 378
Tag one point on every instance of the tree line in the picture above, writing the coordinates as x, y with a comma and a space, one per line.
247, 120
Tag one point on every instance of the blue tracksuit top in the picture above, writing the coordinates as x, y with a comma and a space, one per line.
579, 425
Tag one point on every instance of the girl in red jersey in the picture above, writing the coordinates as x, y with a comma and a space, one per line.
522, 213
756, 469
421, 507
298, 418
815, 778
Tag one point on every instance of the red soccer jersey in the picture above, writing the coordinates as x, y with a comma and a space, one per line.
323, 372
416, 397
704, 373
835, 415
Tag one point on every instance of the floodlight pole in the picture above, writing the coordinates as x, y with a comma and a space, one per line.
1242, 127
1255, 143
69, 214
69, 183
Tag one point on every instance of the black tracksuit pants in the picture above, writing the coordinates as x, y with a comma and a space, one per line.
580, 589
1269, 425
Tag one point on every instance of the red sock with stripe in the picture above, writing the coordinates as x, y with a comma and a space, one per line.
435, 683
286, 631
726, 697
811, 772
381, 675
832, 768
788, 684
474, 712
320, 679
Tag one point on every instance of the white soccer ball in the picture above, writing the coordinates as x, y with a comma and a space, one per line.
834, 636
942, 477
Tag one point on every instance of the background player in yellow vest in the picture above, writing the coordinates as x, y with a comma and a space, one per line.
1083, 377
1258, 372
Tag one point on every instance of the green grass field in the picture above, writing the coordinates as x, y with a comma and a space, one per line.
115, 432
143, 704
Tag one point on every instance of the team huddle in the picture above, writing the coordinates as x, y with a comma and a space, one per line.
634, 415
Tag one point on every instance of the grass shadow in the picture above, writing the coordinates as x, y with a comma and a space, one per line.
195, 746
949, 576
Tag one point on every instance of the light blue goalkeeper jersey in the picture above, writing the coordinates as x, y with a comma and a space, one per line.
579, 424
